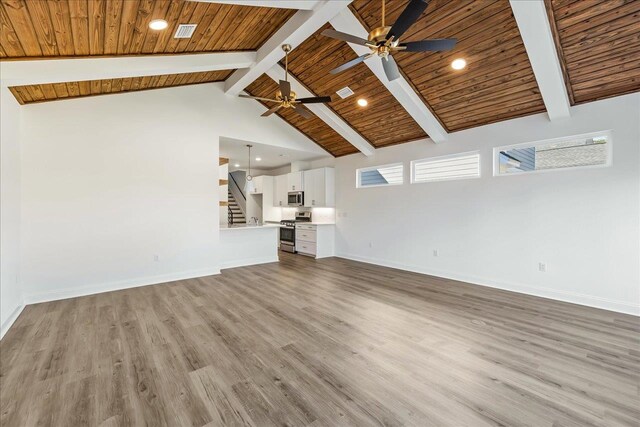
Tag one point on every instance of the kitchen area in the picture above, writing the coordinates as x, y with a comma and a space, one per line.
288, 208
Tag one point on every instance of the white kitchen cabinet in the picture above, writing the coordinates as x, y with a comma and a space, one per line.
258, 182
295, 181
280, 190
319, 187
316, 240
263, 200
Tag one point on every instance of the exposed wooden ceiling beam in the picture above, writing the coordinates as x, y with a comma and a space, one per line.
296, 30
283, 4
347, 22
533, 23
324, 113
65, 70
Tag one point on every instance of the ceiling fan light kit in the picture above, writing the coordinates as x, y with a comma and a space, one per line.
285, 97
384, 40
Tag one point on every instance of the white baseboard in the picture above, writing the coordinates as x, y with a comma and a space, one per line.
571, 297
248, 261
10, 320
35, 298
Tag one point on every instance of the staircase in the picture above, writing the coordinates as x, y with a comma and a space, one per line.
238, 215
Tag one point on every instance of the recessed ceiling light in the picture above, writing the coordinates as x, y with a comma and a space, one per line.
158, 24
362, 102
458, 64
237, 165
258, 159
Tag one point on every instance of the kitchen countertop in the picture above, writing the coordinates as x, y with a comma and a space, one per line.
273, 224
247, 226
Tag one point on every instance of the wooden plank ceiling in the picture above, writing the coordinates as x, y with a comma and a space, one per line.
29, 94
599, 44
383, 121
314, 128
498, 83
55, 28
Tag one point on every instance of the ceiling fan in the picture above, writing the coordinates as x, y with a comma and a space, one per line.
385, 40
285, 97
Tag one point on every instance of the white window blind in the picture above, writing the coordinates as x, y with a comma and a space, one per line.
459, 166
380, 175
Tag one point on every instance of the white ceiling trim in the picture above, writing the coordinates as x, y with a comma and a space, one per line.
347, 22
533, 23
296, 30
324, 113
283, 4
79, 69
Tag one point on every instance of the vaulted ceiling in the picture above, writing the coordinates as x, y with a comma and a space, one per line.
28, 94
383, 122
53, 28
498, 83
598, 45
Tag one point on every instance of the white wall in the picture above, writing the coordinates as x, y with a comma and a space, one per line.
584, 224
275, 172
10, 295
110, 182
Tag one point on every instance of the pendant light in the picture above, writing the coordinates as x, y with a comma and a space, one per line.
249, 186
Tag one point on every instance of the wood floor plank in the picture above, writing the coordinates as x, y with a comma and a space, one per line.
319, 342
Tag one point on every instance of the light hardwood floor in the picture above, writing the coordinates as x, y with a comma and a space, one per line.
320, 343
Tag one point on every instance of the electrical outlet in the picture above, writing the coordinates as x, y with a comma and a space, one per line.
542, 266
436, 252
156, 258
370, 244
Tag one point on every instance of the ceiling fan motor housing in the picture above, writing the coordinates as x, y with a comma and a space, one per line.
379, 35
292, 98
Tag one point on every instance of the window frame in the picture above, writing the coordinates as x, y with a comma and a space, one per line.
448, 156
609, 152
370, 168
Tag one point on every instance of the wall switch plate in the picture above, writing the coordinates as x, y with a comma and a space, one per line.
156, 258
436, 252
542, 266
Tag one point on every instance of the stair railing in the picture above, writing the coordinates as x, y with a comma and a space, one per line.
229, 215
239, 188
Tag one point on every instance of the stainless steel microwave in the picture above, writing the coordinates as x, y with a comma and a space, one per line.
296, 198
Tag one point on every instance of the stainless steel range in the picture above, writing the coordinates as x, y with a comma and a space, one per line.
288, 231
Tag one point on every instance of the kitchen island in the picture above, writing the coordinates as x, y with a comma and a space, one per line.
244, 244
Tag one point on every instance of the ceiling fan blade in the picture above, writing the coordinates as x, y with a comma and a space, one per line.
302, 111
271, 110
315, 100
350, 64
434, 45
257, 97
344, 37
406, 19
285, 89
390, 68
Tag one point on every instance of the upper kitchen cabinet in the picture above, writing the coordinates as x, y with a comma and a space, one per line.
319, 187
280, 184
295, 181
259, 183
